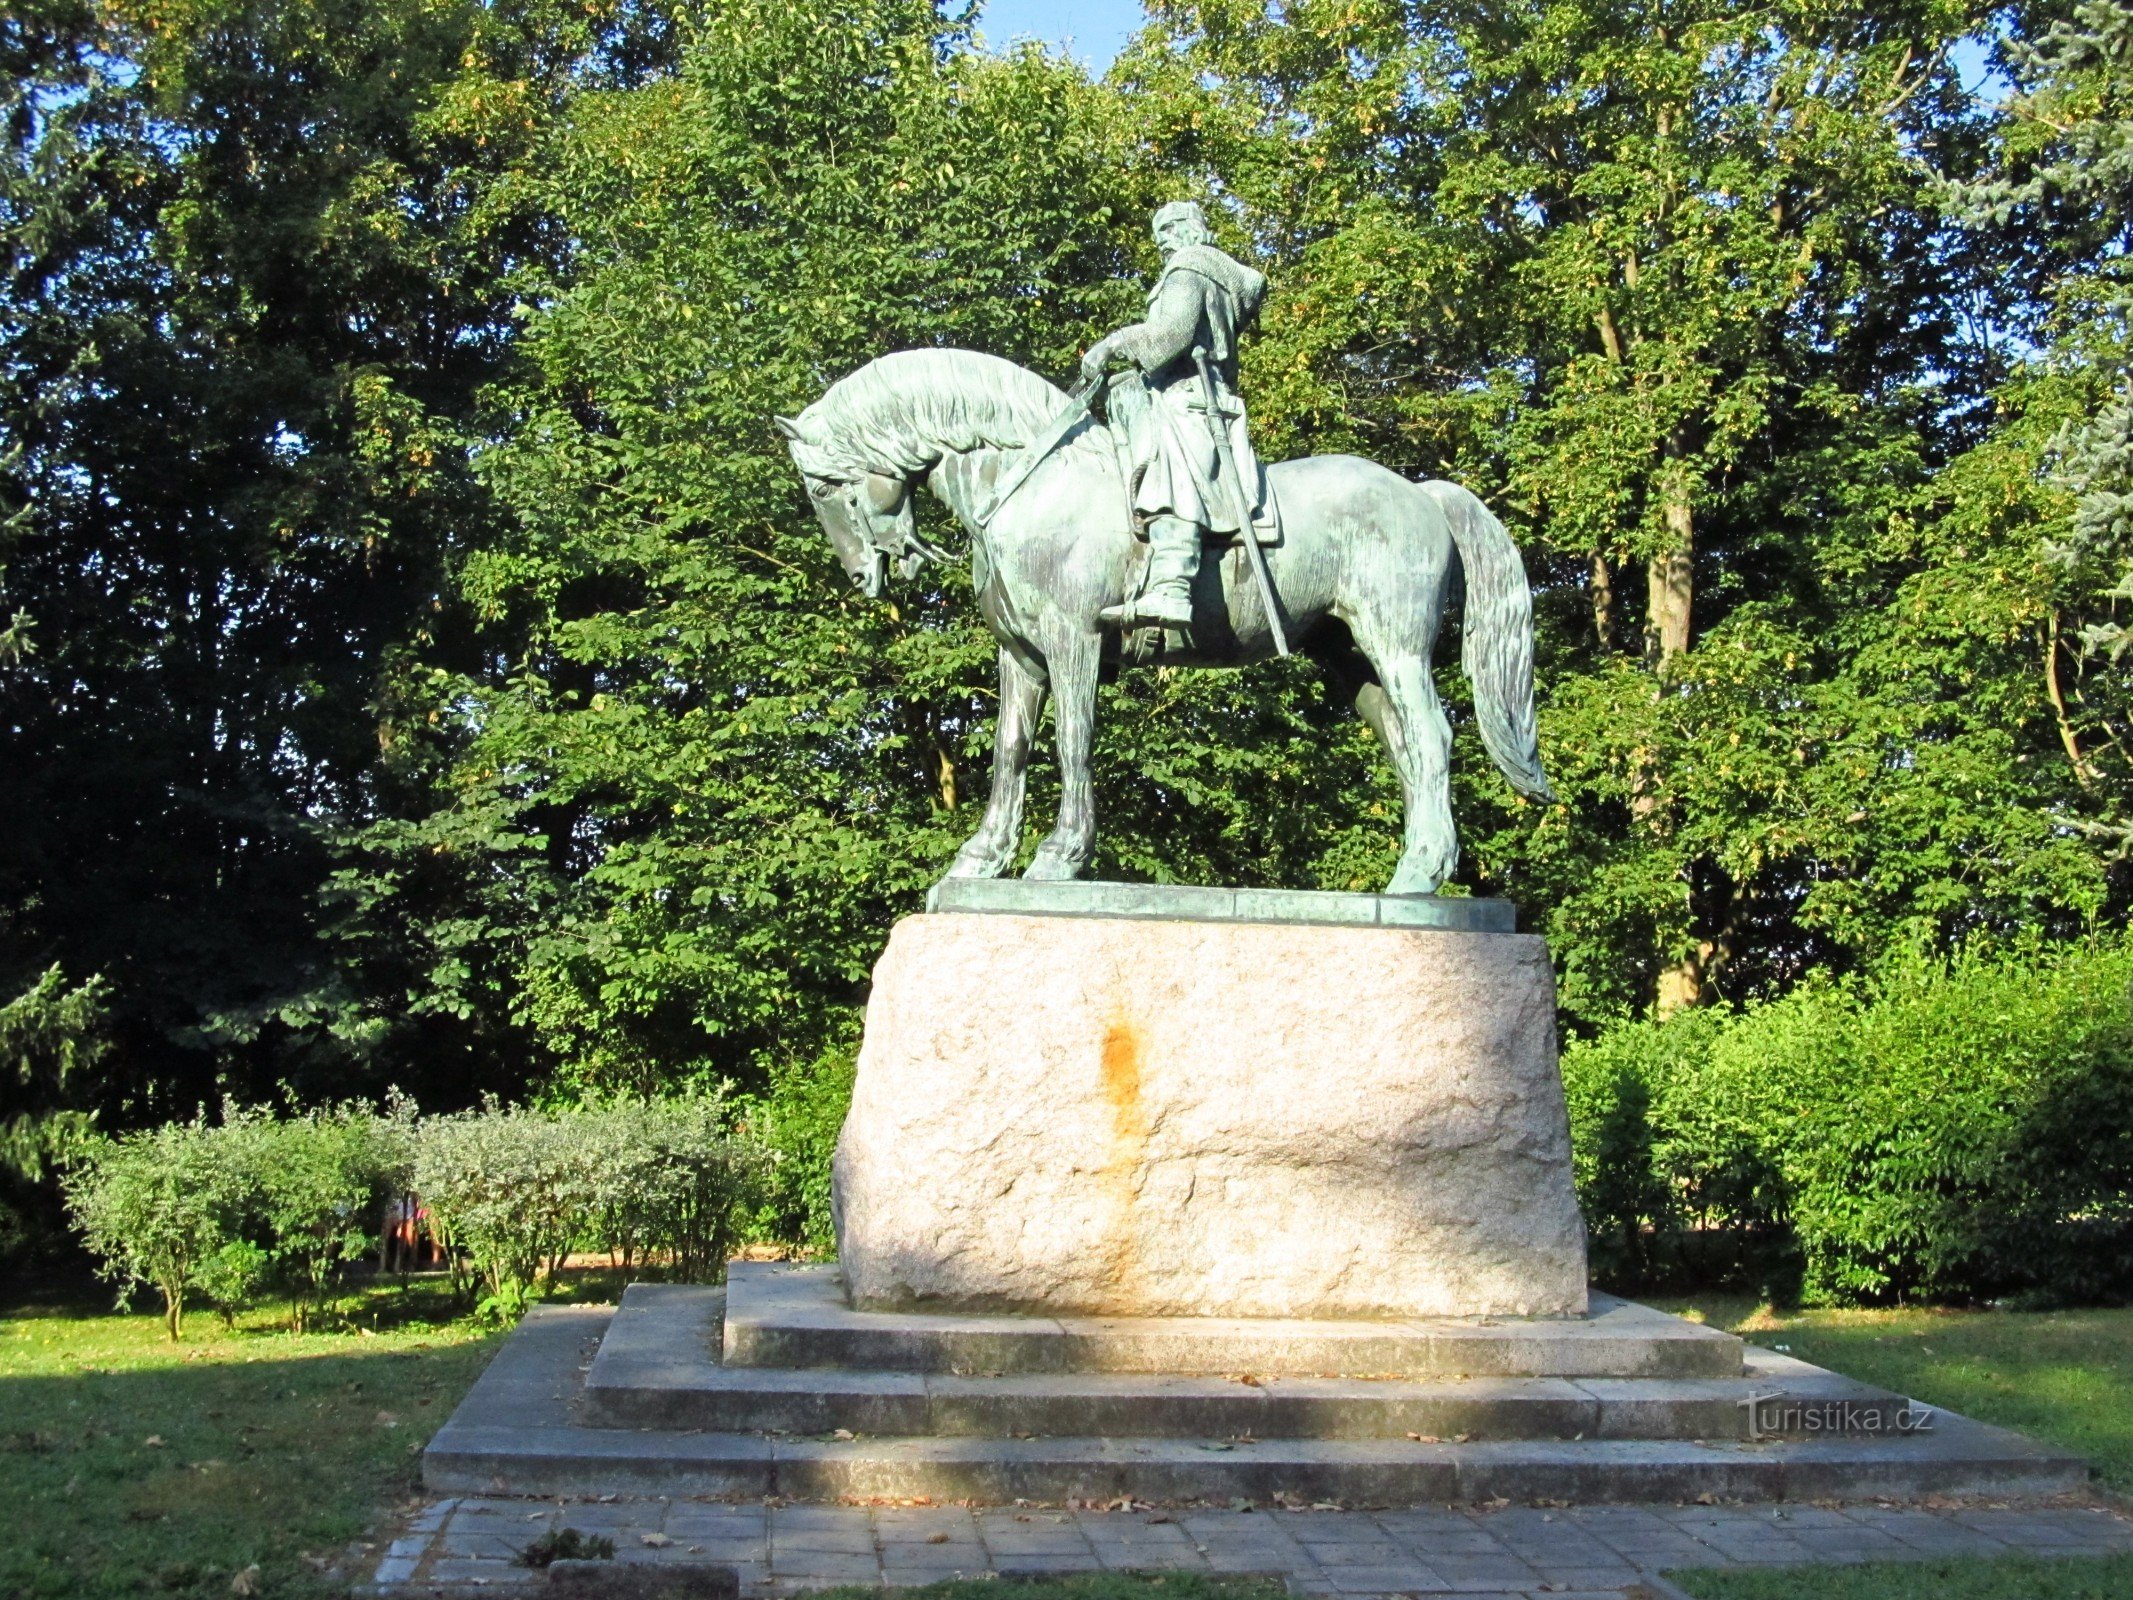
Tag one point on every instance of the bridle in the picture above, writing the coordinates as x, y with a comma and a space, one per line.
877, 501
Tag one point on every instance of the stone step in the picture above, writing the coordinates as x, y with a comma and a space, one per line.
520, 1431
657, 1367
1957, 1458
783, 1315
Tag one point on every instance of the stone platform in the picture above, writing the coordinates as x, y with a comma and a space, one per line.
1106, 1115
1179, 902
658, 1406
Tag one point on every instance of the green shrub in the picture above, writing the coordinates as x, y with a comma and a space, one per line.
798, 1123
312, 1183
672, 1183
509, 1188
157, 1206
517, 1190
231, 1278
1949, 1132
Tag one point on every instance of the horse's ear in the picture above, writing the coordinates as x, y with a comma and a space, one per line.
788, 427
886, 494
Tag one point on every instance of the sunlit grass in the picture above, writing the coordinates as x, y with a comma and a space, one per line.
2061, 1376
131, 1465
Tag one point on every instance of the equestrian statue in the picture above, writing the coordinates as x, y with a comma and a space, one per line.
1154, 533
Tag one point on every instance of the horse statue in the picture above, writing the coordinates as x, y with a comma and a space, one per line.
1360, 572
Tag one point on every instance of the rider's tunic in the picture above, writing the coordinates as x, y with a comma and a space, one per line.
1203, 298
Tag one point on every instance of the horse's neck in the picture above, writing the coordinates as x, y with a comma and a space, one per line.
963, 481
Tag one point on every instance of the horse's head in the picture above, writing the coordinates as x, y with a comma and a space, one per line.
867, 515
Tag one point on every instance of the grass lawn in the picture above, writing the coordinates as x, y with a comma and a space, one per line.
2108, 1578
133, 1466
2061, 1376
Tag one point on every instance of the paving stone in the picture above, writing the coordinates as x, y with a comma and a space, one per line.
1360, 1553
826, 1541
456, 1570
1311, 1527
1033, 1564
970, 1555
483, 1546
845, 1568
2026, 1529
815, 1516
1449, 1540
1482, 1572
725, 1550
1385, 1580
1599, 1575
894, 1525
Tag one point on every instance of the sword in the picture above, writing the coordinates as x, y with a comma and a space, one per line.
1255, 557
1038, 449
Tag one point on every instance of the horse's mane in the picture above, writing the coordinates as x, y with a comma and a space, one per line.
902, 412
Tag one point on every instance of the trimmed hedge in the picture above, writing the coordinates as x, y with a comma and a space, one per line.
1951, 1132
224, 1212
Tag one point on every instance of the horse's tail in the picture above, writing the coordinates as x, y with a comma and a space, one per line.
1499, 637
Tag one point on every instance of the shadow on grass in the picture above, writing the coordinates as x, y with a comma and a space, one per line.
131, 1466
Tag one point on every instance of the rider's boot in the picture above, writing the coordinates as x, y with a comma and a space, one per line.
1165, 599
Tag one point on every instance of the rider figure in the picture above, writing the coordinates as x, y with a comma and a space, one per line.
1201, 302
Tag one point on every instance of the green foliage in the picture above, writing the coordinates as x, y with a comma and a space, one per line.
231, 1279
156, 1206
424, 666
1678, 295
798, 1122
662, 1182
311, 1184
51, 1034
1951, 1131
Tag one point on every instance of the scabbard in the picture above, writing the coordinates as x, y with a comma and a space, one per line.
1226, 454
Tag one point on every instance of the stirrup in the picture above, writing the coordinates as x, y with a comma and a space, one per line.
1148, 611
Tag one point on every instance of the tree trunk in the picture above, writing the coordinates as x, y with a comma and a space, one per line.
1671, 578
1680, 986
944, 776
1602, 590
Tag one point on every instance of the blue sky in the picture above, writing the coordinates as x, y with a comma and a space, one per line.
1092, 30
1095, 31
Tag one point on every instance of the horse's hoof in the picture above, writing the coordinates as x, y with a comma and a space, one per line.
1412, 883
985, 866
1052, 867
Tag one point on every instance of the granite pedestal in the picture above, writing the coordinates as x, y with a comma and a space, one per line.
1211, 1103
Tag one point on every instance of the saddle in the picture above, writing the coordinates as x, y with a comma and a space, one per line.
1267, 526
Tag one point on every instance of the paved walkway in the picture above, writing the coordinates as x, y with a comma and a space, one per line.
468, 1545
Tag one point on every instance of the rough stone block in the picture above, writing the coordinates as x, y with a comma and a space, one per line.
615, 1580
1129, 1117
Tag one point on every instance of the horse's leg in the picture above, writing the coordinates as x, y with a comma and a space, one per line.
1072, 660
1422, 756
991, 850
1352, 681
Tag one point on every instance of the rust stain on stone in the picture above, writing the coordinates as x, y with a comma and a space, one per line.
1122, 1082
1129, 1144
